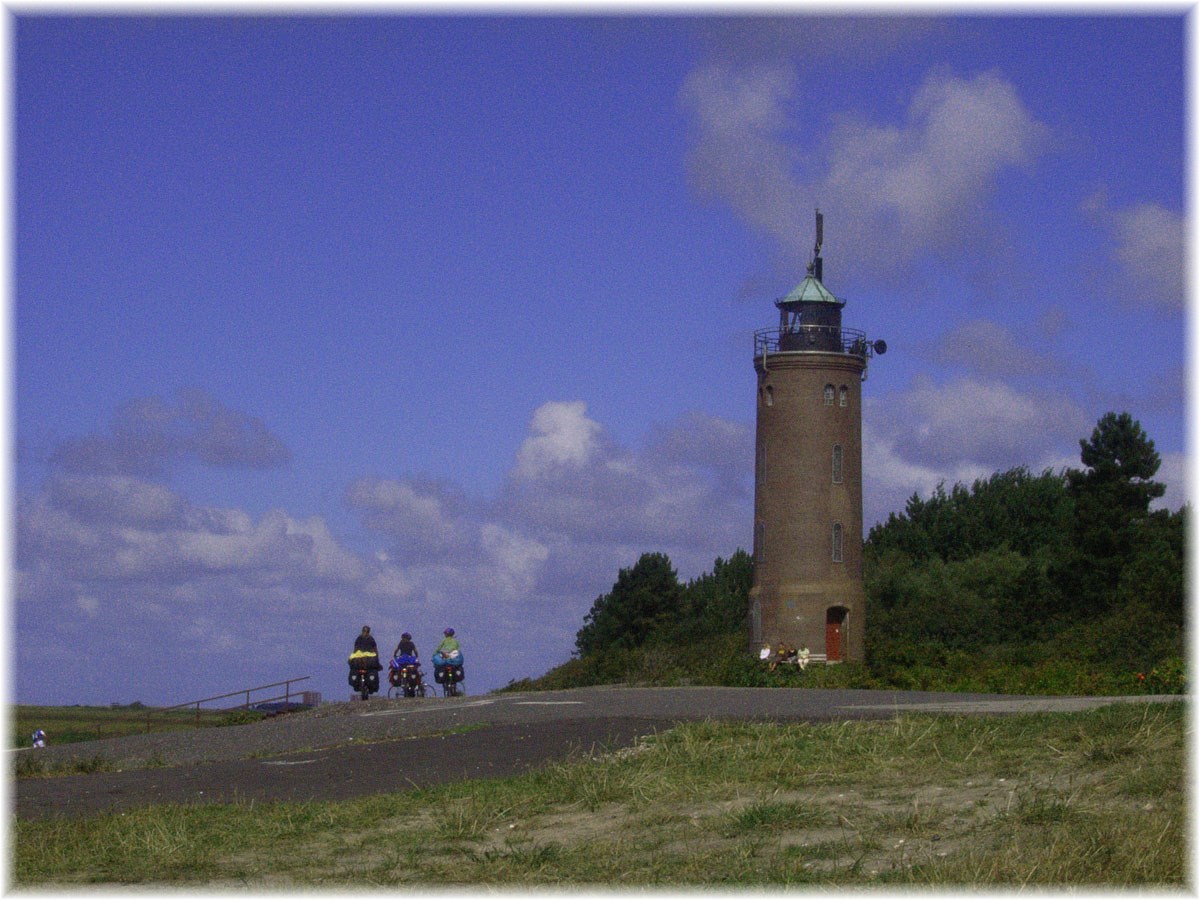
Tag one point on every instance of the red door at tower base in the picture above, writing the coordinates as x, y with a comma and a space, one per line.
835, 618
833, 641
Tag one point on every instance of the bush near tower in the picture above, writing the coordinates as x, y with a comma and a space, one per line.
1020, 583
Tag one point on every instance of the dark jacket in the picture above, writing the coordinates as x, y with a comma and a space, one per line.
365, 642
366, 654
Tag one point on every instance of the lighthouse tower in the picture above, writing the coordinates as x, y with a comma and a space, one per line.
808, 585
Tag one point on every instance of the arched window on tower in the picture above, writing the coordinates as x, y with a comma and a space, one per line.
829, 395
842, 395
760, 533
837, 463
837, 542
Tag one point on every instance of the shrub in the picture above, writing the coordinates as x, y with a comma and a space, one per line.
1168, 678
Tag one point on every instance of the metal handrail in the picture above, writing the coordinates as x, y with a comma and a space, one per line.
853, 341
285, 696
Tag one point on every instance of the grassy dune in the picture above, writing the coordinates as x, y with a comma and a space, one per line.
72, 724
1092, 798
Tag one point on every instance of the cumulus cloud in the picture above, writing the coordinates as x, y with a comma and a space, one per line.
976, 423
573, 498
56, 539
562, 437
114, 498
958, 431
516, 560
1173, 473
676, 492
990, 350
937, 170
114, 566
891, 474
899, 190
739, 154
150, 433
1148, 247
422, 520
856, 41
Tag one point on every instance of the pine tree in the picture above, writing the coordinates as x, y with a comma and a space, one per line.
644, 600
1112, 503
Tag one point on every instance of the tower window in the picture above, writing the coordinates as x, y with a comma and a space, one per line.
837, 463
770, 395
842, 396
760, 533
837, 542
829, 395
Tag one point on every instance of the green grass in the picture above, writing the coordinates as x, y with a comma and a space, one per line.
1091, 799
722, 659
73, 724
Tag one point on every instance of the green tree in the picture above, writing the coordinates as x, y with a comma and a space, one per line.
1112, 498
1121, 461
717, 602
645, 599
1030, 514
1154, 576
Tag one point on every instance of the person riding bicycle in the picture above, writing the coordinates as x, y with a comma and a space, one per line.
406, 647
448, 662
364, 664
449, 649
366, 653
365, 643
404, 670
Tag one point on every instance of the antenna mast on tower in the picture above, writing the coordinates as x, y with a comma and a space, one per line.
816, 263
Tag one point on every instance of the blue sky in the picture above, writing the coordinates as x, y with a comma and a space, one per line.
429, 320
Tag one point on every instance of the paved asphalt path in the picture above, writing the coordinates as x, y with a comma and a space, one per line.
345, 750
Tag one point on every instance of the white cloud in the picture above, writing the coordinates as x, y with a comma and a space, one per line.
1174, 474
989, 349
686, 490
1149, 247
89, 604
112, 567
148, 434
117, 498
898, 190
739, 154
392, 583
516, 560
960, 431
55, 540
328, 560
890, 477
422, 520
563, 435
977, 422
940, 166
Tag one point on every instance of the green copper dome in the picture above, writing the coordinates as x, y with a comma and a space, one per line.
810, 290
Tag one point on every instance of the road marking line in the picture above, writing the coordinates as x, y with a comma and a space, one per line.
405, 712
281, 762
549, 703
